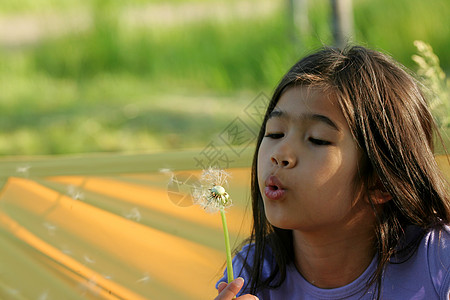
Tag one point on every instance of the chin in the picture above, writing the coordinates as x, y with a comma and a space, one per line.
279, 222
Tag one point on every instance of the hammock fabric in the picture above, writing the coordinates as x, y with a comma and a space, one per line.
112, 227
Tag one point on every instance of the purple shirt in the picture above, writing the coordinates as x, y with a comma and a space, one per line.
425, 275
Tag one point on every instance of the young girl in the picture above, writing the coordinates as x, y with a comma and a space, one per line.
348, 201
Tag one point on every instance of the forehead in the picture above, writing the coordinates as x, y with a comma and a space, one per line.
300, 100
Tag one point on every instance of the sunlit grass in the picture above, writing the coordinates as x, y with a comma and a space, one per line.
27, 6
119, 88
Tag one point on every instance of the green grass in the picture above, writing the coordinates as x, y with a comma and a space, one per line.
206, 56
101, 116
115, 90
27, 6
118, 88
394, 25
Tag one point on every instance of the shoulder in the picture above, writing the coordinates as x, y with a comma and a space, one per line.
434, 243
424, 271
438, 240
437, 245
433, 255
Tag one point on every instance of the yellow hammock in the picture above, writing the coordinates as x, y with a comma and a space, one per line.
109, 227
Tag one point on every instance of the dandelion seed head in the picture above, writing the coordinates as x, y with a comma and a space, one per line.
218, 190
214, 177
211, 194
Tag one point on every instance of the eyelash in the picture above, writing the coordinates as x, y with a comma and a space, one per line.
319, 142
312, 140
274, 135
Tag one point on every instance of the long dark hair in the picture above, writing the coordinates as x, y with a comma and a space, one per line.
388, 117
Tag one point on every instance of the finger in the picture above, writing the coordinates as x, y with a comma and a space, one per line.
231, 289
247, 297
221, 286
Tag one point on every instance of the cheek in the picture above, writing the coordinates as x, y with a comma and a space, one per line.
336, 172
328, 168
262, 155
263, 163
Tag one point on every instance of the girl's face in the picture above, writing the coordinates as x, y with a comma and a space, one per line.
307, 163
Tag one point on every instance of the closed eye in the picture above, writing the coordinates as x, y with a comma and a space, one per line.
274, 135
319, 142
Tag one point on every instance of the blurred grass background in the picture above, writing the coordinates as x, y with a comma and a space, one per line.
127, 76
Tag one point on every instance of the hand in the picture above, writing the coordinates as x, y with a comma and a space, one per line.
229, 291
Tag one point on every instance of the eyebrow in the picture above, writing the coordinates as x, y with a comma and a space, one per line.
314, 117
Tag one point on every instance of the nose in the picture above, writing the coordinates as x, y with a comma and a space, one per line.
284, 157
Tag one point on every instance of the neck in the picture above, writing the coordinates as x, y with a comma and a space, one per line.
331, 258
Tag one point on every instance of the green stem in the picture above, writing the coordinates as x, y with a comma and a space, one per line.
227, 246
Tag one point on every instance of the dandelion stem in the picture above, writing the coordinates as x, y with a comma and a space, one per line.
227, 246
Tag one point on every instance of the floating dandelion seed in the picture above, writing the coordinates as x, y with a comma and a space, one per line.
65, 249
165, 171
50, 228
23, 170
43, 296
145, 279
134, 214
107, 276
12, 292
211, 195
88, 259
181, 188
90, 286
74, 193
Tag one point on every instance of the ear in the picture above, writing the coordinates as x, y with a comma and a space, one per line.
378, 193
380, 197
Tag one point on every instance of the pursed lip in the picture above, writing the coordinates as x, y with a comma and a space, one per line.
274, 189
273, 180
